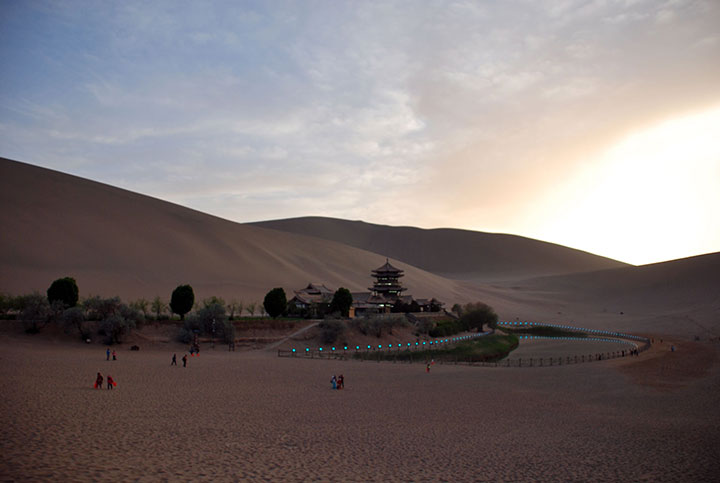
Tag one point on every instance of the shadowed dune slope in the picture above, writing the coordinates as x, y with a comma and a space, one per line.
452, 253
680, 296
115, 242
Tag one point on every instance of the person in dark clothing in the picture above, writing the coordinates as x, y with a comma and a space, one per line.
110, 382
184, 359
174, 360
98, 381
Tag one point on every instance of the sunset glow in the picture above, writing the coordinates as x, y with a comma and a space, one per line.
652, 195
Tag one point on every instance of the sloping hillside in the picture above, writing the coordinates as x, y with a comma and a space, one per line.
458, 254
678, 296
115, 242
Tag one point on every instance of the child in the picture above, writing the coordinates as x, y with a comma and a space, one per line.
98, 381
333, 381
110, 382
114, 355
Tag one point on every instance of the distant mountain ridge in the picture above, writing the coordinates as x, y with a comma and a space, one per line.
452, 253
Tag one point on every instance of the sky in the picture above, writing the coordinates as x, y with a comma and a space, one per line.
592, 124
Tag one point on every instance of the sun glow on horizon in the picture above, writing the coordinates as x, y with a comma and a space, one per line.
646, 198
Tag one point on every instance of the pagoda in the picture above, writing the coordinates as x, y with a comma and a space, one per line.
387, 282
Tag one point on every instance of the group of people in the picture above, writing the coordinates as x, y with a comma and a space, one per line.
107, 354
337, 382
99, 381
174, 360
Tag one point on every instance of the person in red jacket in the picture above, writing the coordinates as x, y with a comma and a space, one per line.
110, 382
98, 381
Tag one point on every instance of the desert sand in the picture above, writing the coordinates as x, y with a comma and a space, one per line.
252, 415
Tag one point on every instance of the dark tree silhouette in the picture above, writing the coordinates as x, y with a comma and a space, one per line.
275, 302
182, 300
63, 290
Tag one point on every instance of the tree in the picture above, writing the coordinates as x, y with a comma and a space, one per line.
64, 290
213, 301
457, 309
158, 306
341, 302
275, 302
478, 314
182, 300
212, 320
74, 318
34, 312
235, 307
141, 305
251, 308
120, 322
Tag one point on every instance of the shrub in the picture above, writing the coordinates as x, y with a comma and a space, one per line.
331, 330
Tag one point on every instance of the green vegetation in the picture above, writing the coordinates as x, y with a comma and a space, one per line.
542, 330
489, 348
182, 300
63, 290
275, 302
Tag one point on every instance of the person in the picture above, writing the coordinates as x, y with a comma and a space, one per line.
341, 382
427, 368
114, 355
184, 359
174, 360
333, 381
107, 354
110, 382
672, 348
98, 381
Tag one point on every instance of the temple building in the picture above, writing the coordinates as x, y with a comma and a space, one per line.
387, 281
386, 296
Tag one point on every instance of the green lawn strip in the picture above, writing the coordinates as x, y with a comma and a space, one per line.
542, 330
489, 348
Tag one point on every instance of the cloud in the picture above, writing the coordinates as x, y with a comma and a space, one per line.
450, 113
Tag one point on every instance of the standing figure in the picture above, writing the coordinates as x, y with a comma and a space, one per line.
333, 382
107, 354
114, 355
184, 359
98, 381
174, 360
110, 382
427, 368
341, 382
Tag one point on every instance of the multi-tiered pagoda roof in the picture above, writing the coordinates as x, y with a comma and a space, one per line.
387, 281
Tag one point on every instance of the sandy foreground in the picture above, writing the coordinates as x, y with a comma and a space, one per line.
252, 415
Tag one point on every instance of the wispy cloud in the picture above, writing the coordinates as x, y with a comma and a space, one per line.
441, 113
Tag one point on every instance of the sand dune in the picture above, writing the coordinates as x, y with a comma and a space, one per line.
115, 242
675, 297
452, 253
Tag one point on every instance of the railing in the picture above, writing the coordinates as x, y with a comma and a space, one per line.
635, 344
